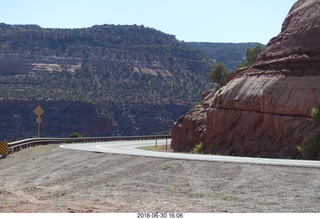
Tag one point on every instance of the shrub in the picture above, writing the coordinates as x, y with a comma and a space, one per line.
75, 135
310, 147
315, 114
213, 149
198, 149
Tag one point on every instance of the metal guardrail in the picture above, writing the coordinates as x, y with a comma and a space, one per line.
31, 142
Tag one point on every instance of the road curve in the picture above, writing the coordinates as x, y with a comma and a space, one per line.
131, 148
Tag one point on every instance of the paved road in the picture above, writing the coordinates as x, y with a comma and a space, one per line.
131, 148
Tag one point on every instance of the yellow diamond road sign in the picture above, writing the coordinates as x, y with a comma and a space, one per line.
38, 111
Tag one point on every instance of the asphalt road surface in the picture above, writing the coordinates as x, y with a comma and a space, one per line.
131, 148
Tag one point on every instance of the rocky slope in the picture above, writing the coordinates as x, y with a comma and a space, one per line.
264, 110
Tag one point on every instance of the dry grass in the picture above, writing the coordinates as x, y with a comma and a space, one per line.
160, 148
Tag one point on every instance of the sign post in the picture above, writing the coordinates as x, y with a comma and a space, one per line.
38, 111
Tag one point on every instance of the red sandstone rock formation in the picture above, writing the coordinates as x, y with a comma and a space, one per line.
264, 110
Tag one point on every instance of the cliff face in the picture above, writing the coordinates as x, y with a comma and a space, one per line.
265, 110
98, 81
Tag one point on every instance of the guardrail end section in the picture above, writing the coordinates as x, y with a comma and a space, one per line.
3, 149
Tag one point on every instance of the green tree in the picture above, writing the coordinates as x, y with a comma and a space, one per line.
251, 56
218, 74
75, 135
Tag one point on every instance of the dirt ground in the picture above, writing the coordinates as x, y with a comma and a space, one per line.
52, 179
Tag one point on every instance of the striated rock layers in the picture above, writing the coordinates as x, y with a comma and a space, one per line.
264, 110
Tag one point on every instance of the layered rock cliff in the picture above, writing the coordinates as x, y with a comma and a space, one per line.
264, 110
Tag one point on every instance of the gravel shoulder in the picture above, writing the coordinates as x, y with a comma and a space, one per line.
52, 179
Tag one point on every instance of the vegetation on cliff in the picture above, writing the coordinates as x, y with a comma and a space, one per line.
110, 63
315, 114
219, 74
310, 147
230, 54
251, 56
136, 79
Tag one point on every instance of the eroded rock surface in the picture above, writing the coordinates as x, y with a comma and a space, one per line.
264, 110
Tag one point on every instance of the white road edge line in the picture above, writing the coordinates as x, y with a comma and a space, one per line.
131, 148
